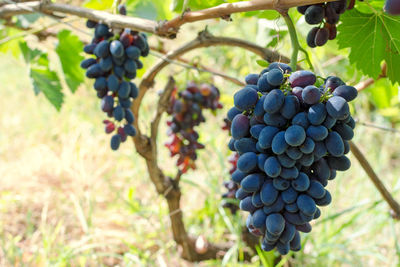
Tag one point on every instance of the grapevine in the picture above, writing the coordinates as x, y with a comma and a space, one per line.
117, 59
186, 108
292, 133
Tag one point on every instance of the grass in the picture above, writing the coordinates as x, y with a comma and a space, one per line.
67, 200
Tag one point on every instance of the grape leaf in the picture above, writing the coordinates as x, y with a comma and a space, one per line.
68, 49
46, 81
43, 78
372, 38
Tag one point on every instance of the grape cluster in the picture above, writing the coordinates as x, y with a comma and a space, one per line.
291, 133
114, 65
231, 186
186, 108
326, 16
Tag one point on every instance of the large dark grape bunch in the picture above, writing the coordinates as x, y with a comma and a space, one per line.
325, 16
186, 108
292, 136
116, 59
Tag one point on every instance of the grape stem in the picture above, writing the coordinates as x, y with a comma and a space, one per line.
293, 39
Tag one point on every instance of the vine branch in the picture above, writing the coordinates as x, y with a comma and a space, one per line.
293, 39
165, 28
394, 205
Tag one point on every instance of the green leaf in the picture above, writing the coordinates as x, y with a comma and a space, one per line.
47, 81
262, 63
372, 38
68, 49
43, 78
99, 4
382, 94
149, 9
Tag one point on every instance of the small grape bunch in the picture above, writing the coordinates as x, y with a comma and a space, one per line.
116, 61
291, 132
326, 16
186, 108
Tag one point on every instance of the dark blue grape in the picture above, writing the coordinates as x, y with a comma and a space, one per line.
134, 90
130, 130
301, 119
130, 66
252, 182
339, 163
107, 103
334, 144
289, 195
238, 176
294, 153
119, 113
94, 71
292, 208
337, 107
302, 9
311, 95
305, 228
286, 161
251, 79
276, 206
307, 159
294, 135
308, 146
115, 141
263, 85
244, 145
266, 136
117, 48
232, 113
289, 173
245, 98
272, 167
316, 190
274, 101
124, 90
274, 120
259, 108
91, 24
288, 233
314, 14
345, 131
316, 114
320, 149
279, 145
301, 183
132, 52
306, 205
275, 77
129, 116
259, 218
240, 126
247, 162
302, 78
246, 204
89, 48
231, 144
347, 92
125, 103
275, 223
317, 214
112, 83
280, 184
100, 84
119, 72
261, 158
329, 122
317, 133
325, 200
290, 107
295, 244
332, 82
293, 218
268, 193
101, 30
285, 68
256, 200
86, 63
255, 130
101, 49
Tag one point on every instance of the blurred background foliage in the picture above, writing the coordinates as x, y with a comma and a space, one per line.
67, 200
